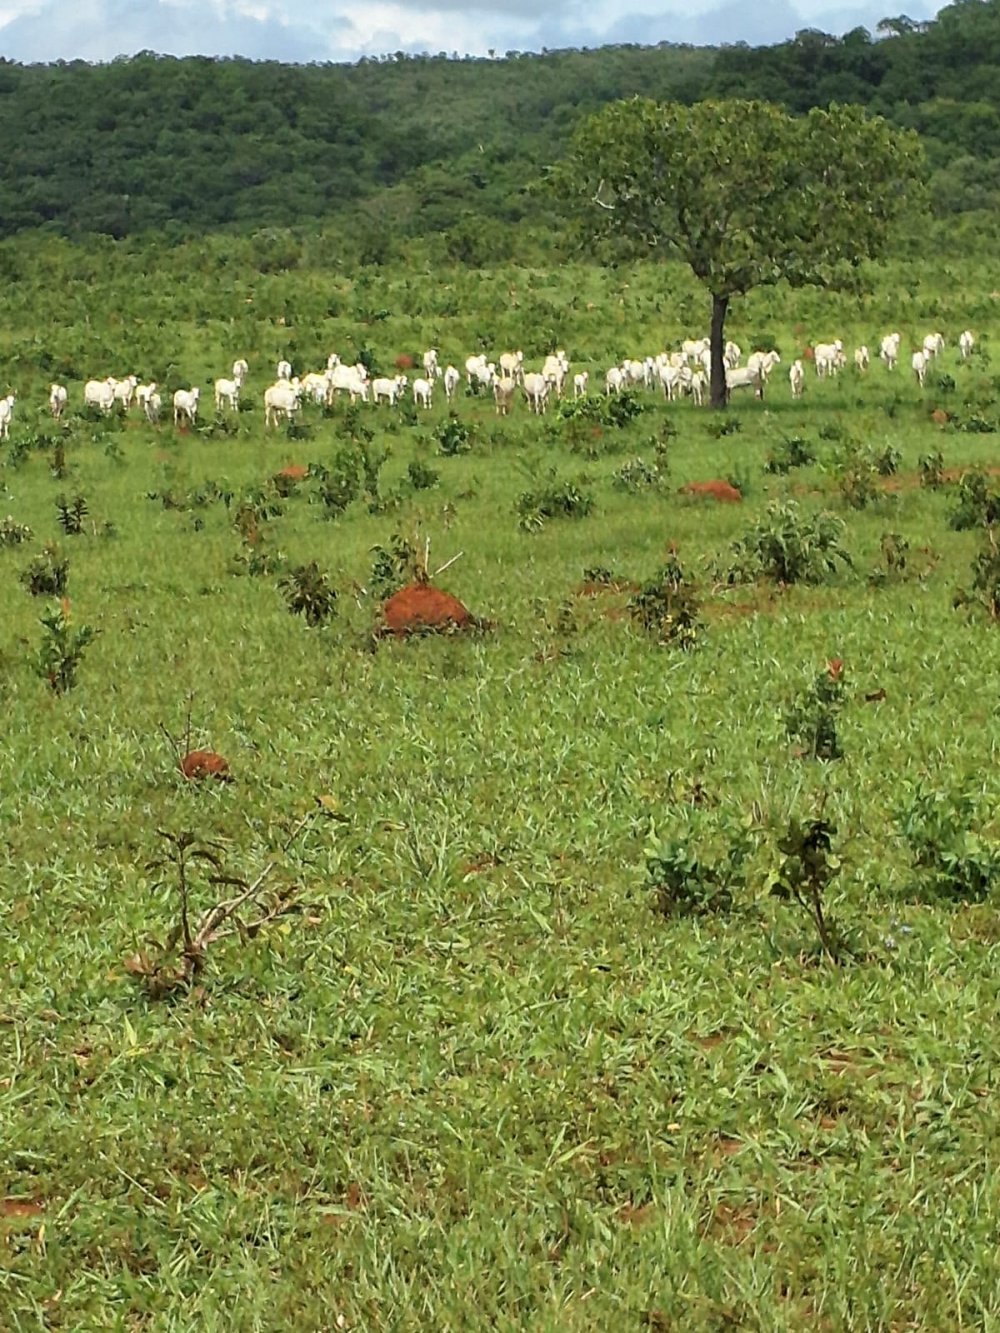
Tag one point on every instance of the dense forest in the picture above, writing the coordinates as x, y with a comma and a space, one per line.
406, 146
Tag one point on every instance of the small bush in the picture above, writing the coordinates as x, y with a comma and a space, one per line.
454, 436
727, 426
952, 861
62, 648
976, 505
808, 868
792, 452
308, 592
894, 549
46, 575
701, 870
554, 498
13, 533
668, 606
637, 475
812, 718
931, 469
72, 514
985, 579
393, 566
421, 477
787, 546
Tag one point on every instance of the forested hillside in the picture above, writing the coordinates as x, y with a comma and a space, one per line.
415, 145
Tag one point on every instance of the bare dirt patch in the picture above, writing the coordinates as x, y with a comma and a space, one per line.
722, 492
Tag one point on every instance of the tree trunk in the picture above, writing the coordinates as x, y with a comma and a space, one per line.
719, 393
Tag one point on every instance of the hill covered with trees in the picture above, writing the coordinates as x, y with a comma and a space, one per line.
405, 146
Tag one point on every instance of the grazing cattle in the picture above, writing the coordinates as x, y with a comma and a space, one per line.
151, 406
240, 371
762, 363
423, 392
503, 394
731, 356
58, 398
919, 362
536, 390
966, 342
227, 394
933, 345
743, 377
614, 380
284, 370
352, 380
829, 358
512, 365
556, 367
142, 392
186, 405
6, 415
451, 380
124, 391
281, 400
100, 393
797, 378
388, 390
580, 383
889, 350
431, 368
861, 357
698, 386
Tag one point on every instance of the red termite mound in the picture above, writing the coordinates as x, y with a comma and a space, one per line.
420, 608
294, 472
722, 491
198, 764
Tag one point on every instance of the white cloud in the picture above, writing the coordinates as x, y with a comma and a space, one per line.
298, 30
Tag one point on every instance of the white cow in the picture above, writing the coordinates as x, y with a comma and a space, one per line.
332, 361
473, 365
484, 375
761, 363
503, 394
227, 394
431, 368
614, 380
315, 385
889, 349
388, 390
142, 392
743, 377
58, 398
125, 391
580, 383
919, 362
240, 371
350, 379
451, 380
280, 400
797, 378
966, 342
152, 406
6, 415
698, 387
732, 355
536, 390
423, 393
284, 370
100, 393
693, 349
186, 405
556, 367
512, 365
828, 358
862, 359
933, 345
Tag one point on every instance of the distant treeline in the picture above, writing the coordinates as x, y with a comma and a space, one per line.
407, 146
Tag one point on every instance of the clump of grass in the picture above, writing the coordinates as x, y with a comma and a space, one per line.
788, 546
47, 574
309, 593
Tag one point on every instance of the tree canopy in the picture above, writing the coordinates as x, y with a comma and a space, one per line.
433, 145
745, 193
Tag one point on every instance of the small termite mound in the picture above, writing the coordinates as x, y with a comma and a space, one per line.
723, 492
199, 764
420, 608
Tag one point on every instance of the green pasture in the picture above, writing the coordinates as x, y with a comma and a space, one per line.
478, 1080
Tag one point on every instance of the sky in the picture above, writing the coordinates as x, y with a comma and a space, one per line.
306, 30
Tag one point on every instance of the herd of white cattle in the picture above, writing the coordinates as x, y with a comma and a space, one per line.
684, 372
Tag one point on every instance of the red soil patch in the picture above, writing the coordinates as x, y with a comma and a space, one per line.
808, 354
20, 1208
404, 362
940, 417
420, 607
199, 764
294, 472
721, 491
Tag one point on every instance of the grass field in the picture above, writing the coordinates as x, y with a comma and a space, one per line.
479, 1080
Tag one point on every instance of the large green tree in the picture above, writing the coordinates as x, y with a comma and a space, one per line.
744, 192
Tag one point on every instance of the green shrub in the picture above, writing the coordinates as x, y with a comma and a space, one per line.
787, 546
46, 575
951, 859
668, 606
812, 718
